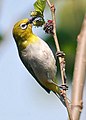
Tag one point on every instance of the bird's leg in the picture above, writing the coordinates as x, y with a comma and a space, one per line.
61, 54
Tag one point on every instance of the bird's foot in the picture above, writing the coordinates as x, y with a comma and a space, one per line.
60, 54
63, 90
64, 87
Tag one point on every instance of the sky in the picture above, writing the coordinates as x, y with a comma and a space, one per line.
21, 97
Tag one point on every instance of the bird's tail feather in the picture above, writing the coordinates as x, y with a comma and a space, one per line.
61, 98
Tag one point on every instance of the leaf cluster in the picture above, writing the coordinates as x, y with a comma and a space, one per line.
39, 7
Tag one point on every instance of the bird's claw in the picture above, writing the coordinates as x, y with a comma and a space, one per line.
64, 87
60, 54
63, 90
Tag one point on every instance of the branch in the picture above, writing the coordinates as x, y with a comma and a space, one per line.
55, 36
79, 73
61, 59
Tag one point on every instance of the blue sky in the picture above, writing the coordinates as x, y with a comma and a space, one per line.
21, 98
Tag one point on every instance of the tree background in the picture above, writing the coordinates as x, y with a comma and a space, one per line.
20, 95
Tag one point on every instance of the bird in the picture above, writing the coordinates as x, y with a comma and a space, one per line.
37, 57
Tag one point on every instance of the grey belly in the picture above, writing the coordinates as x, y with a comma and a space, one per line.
43, 70
41, 59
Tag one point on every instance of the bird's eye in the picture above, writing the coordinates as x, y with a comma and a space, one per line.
23, 26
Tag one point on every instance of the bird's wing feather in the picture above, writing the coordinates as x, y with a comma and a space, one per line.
33, 74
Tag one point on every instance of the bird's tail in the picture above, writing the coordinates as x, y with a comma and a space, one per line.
61, 98
57, 91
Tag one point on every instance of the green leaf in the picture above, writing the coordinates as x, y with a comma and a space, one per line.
39, 6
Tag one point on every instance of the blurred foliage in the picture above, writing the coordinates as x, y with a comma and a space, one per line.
69, 16
1, 37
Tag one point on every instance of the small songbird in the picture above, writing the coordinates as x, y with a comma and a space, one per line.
37, 57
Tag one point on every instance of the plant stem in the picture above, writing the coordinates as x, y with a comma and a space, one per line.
61, 59
79, 73
55, 36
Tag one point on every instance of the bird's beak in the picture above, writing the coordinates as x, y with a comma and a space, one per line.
30, 21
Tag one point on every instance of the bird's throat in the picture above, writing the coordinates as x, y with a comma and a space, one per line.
25, 42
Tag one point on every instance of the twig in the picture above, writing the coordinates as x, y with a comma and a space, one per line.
55, 36
61, 59
79, 73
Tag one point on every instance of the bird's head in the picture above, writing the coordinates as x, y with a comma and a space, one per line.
22, 29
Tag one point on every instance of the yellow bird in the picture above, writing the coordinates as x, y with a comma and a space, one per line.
37, 57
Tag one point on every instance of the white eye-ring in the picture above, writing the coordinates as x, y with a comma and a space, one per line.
23, 26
